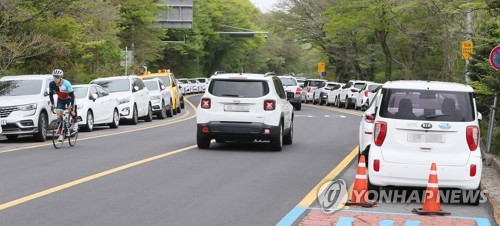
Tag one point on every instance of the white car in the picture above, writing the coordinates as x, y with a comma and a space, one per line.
160, 97
95, 106
195, 86
132, 94
349, 93
333, 94
293, 91
185, 85
418, 123
320, 95
366, 125
366, 93
25, 106
245, 107
309, 86
203, 83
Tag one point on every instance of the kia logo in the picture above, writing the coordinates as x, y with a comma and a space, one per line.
426, 125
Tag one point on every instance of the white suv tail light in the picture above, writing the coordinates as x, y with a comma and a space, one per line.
206, 103
472, 136
366, 93
269, 105
380, 133
298, 91
370, 118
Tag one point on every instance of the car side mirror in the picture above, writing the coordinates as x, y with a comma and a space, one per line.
94, 96
136, 88
365, 106
162, 87
47, 92
479, 116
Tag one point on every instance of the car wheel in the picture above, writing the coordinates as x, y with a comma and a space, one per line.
169, 111
288, 139
90, 122
202, 142
116, 120
298, 106
182, 102
277, 140
346, 104
12, 137
174, 111
163, 112
135, 118
178, 109
314, 100
43, 126
149, 116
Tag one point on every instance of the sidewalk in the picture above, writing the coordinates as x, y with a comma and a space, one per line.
490, 182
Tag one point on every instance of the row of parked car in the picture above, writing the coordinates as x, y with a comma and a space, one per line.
193, 85
25, 105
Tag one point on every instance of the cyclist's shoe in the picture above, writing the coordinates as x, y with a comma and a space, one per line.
75, 128
61, 138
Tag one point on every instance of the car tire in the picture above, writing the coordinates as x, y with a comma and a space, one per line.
220, 141
346, 105
174, 111
149, 116
135, 118
163, 112
277, 140
12, 137
43, 127
182, 102
288, 139
314, 100
298, 106
178, 109
202, 142
116, 120
89, 126
169, 111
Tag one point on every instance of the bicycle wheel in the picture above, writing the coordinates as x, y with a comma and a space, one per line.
73, 136
55, 135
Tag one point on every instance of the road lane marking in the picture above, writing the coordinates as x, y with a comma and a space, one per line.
176, 120
295, 213
89, 178
336, 110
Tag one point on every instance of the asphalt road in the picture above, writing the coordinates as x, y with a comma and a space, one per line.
153, 174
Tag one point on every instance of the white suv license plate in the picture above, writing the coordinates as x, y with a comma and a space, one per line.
236, 107
3, 122
426, 138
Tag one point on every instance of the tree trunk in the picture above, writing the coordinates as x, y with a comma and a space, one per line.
382, 38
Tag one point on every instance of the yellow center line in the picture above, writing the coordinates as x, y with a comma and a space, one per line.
89, 178
312, 195
177, 120
336, 110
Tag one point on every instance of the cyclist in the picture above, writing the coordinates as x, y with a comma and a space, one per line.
65, 97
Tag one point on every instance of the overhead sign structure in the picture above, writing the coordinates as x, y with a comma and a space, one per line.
178, 16
321, 67
467, 50
495, 58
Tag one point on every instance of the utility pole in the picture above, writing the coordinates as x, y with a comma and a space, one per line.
126, 66
492, 120
468, 38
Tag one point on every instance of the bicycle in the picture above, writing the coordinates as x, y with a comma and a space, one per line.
64, 128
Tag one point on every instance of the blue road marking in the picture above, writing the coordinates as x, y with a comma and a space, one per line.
386, 223
291, 216
412, 223
345, 221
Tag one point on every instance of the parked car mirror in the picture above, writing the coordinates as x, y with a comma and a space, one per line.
47, 91
479, 116
94, 96
136, 88
364, 106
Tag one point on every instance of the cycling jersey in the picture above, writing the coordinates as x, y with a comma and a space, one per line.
64, 92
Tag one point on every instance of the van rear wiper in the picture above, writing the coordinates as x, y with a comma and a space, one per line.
435, 116
229, 95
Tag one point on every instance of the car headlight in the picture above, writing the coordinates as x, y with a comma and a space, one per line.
26, 107
124, 101
155, 97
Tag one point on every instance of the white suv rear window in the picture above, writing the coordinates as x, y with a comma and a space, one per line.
238, 88
427, 105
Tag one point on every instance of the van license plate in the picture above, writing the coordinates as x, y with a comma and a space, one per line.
237, 107
3, 122
426, 138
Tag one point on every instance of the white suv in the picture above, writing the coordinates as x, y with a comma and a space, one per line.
133, 96
245, 107
25, 106
349, 93
417, 123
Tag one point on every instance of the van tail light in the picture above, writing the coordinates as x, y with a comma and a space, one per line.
269, 105
206, 103
328, 88
472, 135
354, 90
376, 165
298, 90
366, 93
309, 89
370, 118
205, 129
380, 132
473, 170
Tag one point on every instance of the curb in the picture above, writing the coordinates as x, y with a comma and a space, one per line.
493, 161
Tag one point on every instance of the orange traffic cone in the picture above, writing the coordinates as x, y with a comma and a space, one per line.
359, 195
432, 205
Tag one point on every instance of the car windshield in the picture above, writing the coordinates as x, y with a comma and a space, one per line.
288, 82
164, 79
238, 88
202, 80
183, 81
359, 85
315, 83
20, 87
151, 84
330, 85
373, 87
80, 92
115, 85
192, 80
427, 105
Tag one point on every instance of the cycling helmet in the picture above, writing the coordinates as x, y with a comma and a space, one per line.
58, 72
